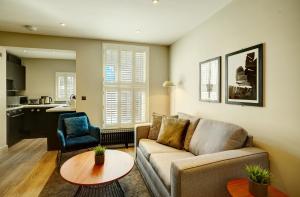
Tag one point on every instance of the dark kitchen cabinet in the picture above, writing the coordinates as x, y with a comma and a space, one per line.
36, 122
16, 72
15, 126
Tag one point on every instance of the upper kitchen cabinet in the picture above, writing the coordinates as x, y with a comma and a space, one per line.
16, 72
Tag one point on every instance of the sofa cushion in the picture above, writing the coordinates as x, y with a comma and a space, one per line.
161, 163
156, 123
148, 147
213, 136
81, 142
172, 132
76, 126
194, 120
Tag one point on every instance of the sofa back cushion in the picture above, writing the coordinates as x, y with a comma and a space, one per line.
172, 132
194, 120
213, 136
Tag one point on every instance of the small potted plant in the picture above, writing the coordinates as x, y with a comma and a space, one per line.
99, 155
259, 180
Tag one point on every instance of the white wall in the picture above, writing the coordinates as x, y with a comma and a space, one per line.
241, 24
89, 69
2, 98
42, 71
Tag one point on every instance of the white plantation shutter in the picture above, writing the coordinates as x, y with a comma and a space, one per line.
140, 67
65, 85
111, 106
126, 66
125, 85
140, 106
126, 106
111, 66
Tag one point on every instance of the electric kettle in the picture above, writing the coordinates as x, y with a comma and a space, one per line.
47, 99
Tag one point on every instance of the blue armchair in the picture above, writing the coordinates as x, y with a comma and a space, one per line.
67, 144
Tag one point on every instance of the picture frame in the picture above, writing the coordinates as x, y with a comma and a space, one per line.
244, 77
210, 80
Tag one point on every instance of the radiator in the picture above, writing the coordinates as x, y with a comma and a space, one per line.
117, 136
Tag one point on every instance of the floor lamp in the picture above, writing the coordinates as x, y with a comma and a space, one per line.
169, 85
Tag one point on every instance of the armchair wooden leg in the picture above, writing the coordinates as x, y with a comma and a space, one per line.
58, 158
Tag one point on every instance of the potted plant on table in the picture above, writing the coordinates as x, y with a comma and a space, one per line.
99, 155
259, 180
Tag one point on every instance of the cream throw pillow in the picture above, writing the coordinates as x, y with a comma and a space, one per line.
172, 132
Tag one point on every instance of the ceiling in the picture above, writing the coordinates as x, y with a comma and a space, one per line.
123, 20
42, 53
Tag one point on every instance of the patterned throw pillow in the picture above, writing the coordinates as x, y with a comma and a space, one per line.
172, 132
156, 123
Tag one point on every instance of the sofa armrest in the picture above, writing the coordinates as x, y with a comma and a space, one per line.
95, 132
207, 175
141, 131
61, 139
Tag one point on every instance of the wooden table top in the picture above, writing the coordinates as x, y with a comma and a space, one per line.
240, 188
81, 169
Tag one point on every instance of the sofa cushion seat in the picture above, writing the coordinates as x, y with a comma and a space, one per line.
161, 163
81, 142
149, 147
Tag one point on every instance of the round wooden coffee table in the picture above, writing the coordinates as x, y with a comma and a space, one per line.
94, 180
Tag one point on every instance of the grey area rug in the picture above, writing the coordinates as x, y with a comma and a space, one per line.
132, 184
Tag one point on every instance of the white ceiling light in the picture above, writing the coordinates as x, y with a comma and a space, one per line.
138, 31
62, 24
155, 1
30, 27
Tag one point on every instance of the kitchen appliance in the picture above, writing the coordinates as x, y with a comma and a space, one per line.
47, 99
33, 102
16, 100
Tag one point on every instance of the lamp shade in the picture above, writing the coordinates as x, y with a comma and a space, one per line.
168, 84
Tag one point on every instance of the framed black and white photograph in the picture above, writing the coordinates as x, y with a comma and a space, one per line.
210, 80
244, 76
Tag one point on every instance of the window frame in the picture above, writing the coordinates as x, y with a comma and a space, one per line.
124, 85
57, 74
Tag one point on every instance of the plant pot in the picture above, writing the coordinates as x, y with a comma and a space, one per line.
99, 159
257, 189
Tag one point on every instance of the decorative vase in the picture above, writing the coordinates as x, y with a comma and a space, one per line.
99, 159
258, 189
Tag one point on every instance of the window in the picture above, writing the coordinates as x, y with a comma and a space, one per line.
65, 85
125, 85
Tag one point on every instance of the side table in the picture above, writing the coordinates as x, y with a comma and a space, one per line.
240, 188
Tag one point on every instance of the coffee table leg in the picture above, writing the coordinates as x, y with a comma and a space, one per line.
121, 190
111, 190
78, 191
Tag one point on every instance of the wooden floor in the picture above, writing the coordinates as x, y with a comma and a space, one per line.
26, 167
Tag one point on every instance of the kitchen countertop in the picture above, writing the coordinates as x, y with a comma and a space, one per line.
53, 107
61, 108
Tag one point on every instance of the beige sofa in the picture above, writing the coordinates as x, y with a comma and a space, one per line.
218, 152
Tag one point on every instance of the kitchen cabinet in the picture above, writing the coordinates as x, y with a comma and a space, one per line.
16, 72
36, 122
15, 126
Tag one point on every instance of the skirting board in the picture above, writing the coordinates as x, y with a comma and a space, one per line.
3, 148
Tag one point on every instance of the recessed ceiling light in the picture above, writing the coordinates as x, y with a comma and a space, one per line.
138, 31
155, 1
62, 24
30, 27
